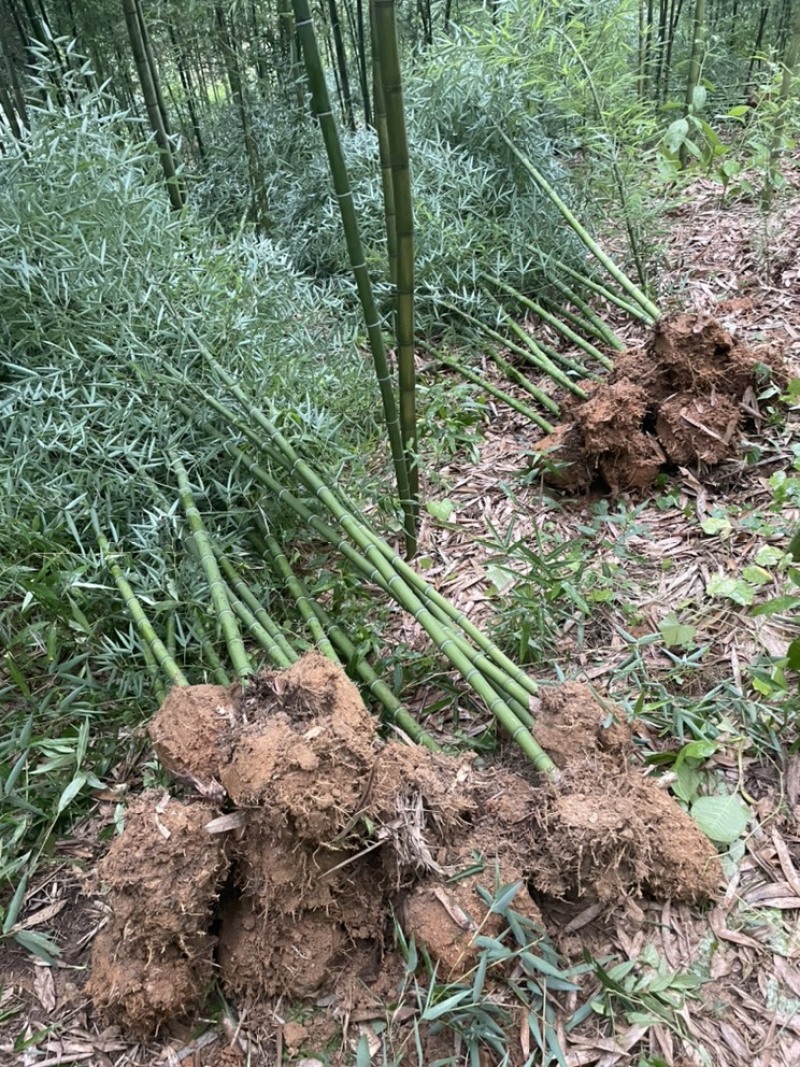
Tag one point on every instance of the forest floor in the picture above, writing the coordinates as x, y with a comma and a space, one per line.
671, 637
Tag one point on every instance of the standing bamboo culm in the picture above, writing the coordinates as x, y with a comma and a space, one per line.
321, 104
385, 37
695, 65
148, 78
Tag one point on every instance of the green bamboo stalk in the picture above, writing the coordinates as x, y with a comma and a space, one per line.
633, 241
137, 613
147, 79
608, 294
791, 57
499, 677
227, 621
260, 633
385, 36
170, 635
395, 711
385, 160
574, 318
322, 108
635, 293
443, 637
695, 66
221, 676
439, 605
551, 320
553, 371
527, 353
591, 320
156, 677
492, 390
243, 591
282, 566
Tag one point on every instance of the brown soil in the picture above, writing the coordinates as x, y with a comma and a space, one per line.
154, 959
335, 832
676, 400
190, 729
603, 829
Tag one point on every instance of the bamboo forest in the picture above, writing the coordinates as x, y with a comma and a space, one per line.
400, 533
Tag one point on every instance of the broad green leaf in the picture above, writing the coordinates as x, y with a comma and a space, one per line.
699, 97
756, 575
687, 783
729, 168
668, 169
699, 750
767, 556
676, 135
793, 655
733, 588
717, 524
723, 819
441, 510
675, 633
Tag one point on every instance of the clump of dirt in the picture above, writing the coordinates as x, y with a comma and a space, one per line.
603, 828
676, 400
191, 728
304, 750
153, 960
333, 833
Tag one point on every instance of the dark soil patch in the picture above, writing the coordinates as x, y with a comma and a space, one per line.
675, 401
334, 832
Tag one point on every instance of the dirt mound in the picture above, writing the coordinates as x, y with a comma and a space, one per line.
190, 731
677, 400
333, 833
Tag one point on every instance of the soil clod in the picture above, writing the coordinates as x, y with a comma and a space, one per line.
343, 832
675, 401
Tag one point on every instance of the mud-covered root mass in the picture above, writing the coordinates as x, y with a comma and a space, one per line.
336, 833
603, 829
676, 401
154, 959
